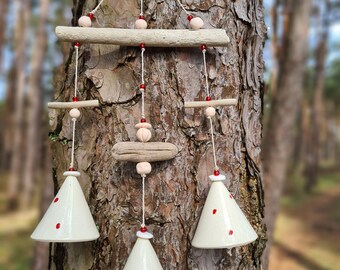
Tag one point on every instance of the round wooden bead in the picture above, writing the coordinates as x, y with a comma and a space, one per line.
85, 21
196, 23
141, 24
143, 168
210, 112
143, 135
74, 113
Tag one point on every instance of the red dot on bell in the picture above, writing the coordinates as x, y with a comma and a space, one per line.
57, 226
72, 169
56, 200
216, 172
214, 211
142, 86
143, 120
142, 45
143, 229
77, 44
75, 99
203, 47
190, 18
208, 98
91, 15
141, 17
231, 232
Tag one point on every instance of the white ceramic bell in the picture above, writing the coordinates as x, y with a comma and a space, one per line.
68, 219
143, 256
222, 223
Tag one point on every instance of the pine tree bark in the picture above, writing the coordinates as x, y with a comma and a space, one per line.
279, 137
176, 190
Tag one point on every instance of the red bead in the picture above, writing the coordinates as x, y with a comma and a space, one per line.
231, 232
75, 99
77, 44
141, 17
190, 18
143, 120
216, 172
56, 200
143, 229
231, 196
142, 45
57, 226
214, 211
203, 47
91, 15
72, 169
142, 86
208, 98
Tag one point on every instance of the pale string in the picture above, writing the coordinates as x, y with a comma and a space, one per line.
97, 7
73, 137
143, 202
143, 94
141, 7
179, 2
76, 72
213, 142
207, 92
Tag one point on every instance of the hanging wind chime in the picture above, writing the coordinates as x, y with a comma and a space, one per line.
222, 223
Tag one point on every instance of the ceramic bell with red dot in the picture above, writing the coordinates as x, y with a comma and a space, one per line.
143, 255
222, 223
68, 219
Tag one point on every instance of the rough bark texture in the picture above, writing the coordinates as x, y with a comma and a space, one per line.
279, 137
176, 190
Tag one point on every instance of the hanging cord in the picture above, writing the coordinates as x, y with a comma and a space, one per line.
97, 7
207, 91
76, 72
141, 7
143, 202
213, 142
143, 83
73, 138
181, 5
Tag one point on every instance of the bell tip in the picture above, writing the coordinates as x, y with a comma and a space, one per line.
220, 177
71, 173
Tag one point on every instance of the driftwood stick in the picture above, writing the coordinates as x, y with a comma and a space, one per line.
71, 105
219, 102
140, 152
150, 37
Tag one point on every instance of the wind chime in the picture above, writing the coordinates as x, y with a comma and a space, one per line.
222, 223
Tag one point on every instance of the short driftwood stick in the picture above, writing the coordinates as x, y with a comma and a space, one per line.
150, 37
139, 152
219, 102
71, 105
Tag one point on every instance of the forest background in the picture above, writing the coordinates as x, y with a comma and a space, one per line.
307, 227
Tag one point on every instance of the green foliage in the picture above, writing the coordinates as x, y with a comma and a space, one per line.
332, 83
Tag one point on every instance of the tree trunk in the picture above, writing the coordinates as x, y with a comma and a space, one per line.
317, 112
22, 21
35, 105
279, 137
176, 190
3, 24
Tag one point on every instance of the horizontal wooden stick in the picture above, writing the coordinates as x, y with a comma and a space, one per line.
71, 105
140, 152
150, 37
218, 102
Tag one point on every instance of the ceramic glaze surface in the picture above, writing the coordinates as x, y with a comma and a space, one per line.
222, 223
143, 257
68, 219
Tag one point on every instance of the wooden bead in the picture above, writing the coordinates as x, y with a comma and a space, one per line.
196, 23
210, 112
141, 24
74, 113
85, 21
143, 168
143, 135
143, 125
